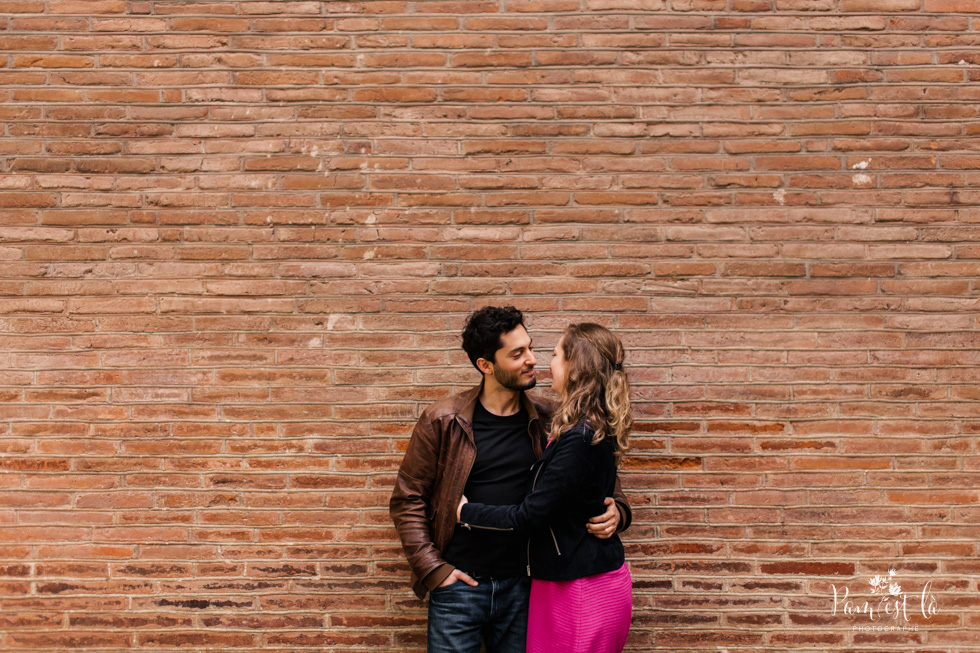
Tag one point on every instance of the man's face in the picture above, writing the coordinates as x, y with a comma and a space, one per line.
513, 364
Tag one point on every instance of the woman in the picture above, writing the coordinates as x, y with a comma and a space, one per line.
581, 591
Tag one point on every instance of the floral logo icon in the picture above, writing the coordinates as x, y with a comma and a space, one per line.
879, 584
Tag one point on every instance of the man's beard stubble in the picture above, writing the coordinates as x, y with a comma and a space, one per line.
512, 380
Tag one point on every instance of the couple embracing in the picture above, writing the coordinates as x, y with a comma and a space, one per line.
508, 507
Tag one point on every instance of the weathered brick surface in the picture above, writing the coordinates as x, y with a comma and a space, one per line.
238, 240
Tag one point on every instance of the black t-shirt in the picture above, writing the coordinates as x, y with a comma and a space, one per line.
504, 456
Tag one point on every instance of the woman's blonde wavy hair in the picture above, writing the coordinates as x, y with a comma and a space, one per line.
596, 387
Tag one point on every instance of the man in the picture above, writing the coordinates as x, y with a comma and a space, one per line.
481, 442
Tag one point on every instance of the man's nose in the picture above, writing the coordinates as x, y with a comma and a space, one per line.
530, 359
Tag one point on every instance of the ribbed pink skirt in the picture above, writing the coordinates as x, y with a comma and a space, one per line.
585, 615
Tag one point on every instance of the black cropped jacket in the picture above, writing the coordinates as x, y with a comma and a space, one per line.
568, 486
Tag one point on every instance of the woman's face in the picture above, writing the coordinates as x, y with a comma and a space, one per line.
559, 368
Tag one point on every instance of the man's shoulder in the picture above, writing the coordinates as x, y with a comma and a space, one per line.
450, 405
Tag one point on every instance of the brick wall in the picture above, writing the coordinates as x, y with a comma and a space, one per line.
238, 240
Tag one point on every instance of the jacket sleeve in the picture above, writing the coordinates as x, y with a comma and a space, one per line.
409, 502
573, 460
625, 512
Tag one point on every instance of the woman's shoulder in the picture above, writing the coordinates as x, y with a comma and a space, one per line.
580, 427
581, 432
584, 435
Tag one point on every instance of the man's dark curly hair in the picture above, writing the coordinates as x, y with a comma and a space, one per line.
481, 335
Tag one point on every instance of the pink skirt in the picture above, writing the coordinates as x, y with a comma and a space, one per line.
585, 615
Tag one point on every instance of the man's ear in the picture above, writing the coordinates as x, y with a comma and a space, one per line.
484, 365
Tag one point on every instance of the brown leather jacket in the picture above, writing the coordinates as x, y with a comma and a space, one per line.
433, 474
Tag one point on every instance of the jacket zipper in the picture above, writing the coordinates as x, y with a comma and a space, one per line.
483, 528
529, 556
554, 539
533, 483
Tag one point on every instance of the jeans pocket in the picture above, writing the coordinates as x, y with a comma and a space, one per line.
445, 589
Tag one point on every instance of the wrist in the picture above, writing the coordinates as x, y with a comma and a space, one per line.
459, 509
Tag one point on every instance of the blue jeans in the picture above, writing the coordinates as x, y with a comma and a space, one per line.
461, 616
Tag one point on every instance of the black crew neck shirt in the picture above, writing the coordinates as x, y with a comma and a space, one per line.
504, 456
